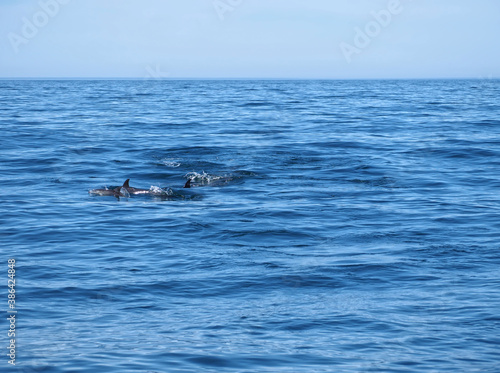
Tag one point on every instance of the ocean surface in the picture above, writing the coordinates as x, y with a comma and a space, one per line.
333, 226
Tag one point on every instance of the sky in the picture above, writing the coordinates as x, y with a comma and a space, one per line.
275, 39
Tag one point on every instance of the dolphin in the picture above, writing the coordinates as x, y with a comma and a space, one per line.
126, 190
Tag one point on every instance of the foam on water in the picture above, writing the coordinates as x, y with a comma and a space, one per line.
173, 163
156, 190
204, 178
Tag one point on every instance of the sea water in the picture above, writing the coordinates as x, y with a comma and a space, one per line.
333, 226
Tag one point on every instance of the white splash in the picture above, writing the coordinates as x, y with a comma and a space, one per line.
203, 178
169, 162
208, 179
156, 190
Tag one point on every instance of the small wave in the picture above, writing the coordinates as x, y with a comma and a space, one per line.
256, 103
171, 162
384, 182
157, 191
208, 179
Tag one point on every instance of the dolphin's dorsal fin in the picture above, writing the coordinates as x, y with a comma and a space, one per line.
125, 184
188, 184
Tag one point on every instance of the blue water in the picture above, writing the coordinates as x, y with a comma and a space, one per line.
333, 226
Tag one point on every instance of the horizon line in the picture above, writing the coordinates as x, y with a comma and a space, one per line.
236, 78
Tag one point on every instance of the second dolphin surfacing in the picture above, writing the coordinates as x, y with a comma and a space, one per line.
126, 190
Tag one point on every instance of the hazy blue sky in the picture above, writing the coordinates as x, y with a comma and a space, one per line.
250, 38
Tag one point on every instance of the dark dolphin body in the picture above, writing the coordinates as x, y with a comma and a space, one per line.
126, 190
